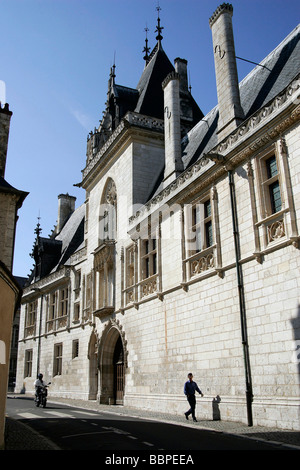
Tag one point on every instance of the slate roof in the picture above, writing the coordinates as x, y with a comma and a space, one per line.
51, 253
71, 236
148, 96
127, 98
149, 85
258, 88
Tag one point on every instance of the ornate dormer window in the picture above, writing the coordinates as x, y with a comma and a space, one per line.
104, 255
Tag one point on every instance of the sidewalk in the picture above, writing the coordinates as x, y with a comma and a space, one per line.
20, 436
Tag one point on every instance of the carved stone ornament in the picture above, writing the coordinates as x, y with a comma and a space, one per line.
111, 193
104, 255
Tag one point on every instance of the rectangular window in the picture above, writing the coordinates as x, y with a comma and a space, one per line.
271, 186
30, 320
57, 362
77, 283
149, 258
63, 302
76, 312
275, 197
201, 232
28, 363
130, 268
52, 306
75, 348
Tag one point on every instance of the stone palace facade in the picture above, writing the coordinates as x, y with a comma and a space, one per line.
185, 255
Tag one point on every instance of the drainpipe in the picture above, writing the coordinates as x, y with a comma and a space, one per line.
249, 393
243, 319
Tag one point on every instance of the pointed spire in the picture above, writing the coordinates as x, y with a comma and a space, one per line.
113, 72
37, 232
111, 81
146, 48
38, 229
158, 28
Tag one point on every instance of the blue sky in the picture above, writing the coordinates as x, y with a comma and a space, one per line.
55, 61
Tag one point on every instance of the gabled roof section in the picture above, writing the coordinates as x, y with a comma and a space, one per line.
71, 236
51, 253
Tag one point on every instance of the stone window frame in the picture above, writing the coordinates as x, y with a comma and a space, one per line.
63, 301
76, 312
130, 273
30, 318
28, 359
75, 348
198, 263
272, 229
266, 180
57, 359
148, 258
147, 283
58, 309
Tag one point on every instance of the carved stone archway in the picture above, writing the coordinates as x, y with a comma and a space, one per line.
112, 363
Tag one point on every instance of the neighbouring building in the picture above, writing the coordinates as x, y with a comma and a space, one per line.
11, 200
185, 255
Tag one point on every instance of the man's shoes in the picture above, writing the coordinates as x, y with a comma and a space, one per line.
194, 419
186, 416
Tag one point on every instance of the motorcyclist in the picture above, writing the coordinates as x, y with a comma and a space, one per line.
39, 384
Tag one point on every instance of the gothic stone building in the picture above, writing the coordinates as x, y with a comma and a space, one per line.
185, 255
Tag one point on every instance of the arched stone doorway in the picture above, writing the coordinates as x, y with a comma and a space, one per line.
112, 366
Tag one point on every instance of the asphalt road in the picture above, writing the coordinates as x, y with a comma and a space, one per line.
77, 429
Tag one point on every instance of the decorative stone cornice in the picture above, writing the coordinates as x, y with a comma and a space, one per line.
47, 282
186, 176
231, 143
225, 7
118, 137
172, 76
259, 119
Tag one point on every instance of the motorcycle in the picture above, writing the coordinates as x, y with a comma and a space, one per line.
41, 395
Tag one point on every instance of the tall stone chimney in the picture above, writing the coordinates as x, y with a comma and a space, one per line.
230, 110
181, 69
5, 116
66, 206
173, 161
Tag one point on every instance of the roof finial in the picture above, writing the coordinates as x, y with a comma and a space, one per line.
113, 69
38, 229
146, 48
158, 28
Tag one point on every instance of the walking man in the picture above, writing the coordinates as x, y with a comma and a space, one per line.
189, 390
